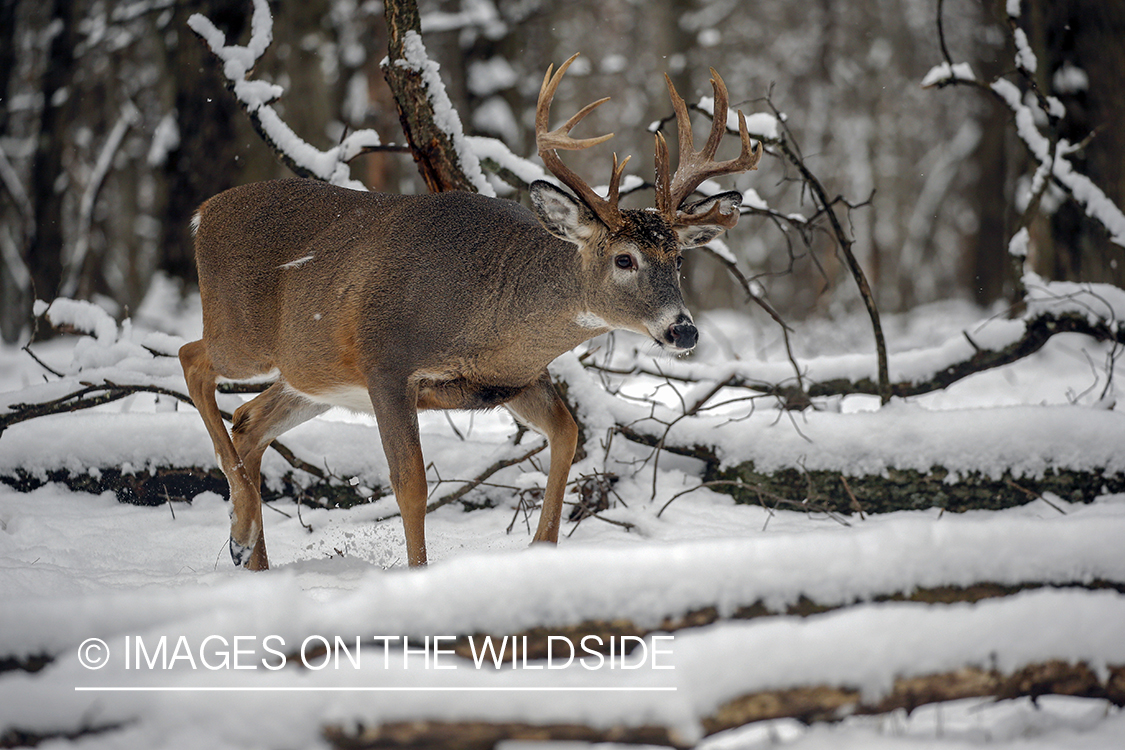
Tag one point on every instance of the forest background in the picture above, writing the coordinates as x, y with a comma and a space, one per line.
115, 126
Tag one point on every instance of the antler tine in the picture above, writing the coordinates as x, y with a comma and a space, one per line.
713, 215
615, 179
719, 116
547, 141
683, 122
663, 178
696, 166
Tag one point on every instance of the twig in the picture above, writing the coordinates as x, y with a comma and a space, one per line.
471, 484
761, 491
1034, 494
27, 348
844, 242
855, 503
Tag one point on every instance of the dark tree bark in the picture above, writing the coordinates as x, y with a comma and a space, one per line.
809, 703
1086, 34
11, 322
43, 252
987, 270
205, 162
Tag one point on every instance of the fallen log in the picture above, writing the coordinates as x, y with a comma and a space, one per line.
807, 704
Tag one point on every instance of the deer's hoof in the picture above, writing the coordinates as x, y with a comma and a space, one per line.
239, 553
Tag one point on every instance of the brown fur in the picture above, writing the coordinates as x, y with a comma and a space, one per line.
450, 301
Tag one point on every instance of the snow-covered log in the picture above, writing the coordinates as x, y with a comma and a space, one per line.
807, 704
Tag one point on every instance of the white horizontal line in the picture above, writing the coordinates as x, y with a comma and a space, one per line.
360, 689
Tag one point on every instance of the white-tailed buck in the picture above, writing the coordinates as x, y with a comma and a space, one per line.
393, 303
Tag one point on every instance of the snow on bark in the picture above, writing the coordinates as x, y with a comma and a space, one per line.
81, 316
498, 152
1096, 203
416, 59
1017, 246
1025, 58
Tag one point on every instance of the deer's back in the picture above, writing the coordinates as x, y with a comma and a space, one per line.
312, 279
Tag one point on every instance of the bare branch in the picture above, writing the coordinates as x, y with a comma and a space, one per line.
472, 484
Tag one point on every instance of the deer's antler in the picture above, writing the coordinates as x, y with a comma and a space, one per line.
696, 166
548, 141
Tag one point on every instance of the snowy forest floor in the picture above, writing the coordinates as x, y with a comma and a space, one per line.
79, 566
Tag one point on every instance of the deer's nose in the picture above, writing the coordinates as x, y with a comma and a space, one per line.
682, 334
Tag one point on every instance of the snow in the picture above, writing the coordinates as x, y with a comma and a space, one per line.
761, 125
487, 77
78, 566
494, 115
1025, 58
165, 140
1093, 200
1070, 79
85, 317
946, 72
1017, 246
498, 151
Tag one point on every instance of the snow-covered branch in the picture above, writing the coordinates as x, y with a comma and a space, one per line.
429, 121
1052, 308
1051, 160
256, 98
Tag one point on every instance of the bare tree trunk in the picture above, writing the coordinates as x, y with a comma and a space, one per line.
1084, 35
204, 163
11, 311
986, 266
44, 250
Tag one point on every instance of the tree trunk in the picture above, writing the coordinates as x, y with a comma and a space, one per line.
205, 161
433, 151
44, 251
1085, 35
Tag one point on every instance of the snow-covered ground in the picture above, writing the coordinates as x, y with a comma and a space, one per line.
78, 566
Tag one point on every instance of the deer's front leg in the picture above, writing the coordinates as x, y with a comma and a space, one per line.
541, 407
396, 411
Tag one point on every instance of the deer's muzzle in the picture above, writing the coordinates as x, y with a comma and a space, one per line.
682, 334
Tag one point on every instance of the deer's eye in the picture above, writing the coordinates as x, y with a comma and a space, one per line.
625, 261
679, 262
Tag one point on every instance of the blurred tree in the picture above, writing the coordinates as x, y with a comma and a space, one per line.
940, 168
201, 157
1082, 61
43, 252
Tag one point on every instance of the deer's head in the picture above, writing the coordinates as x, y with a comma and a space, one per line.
631, 257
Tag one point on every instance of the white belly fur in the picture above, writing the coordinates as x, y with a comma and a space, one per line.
354, 398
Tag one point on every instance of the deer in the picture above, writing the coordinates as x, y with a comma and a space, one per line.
393, 304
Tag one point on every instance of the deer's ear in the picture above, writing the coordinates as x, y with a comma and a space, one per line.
561, 214
694, 235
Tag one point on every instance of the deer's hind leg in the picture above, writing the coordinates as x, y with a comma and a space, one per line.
256, 424
247, 544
